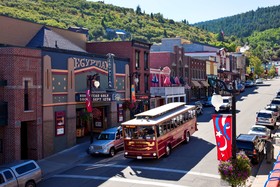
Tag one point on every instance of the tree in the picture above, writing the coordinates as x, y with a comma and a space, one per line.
138, 10
256, 63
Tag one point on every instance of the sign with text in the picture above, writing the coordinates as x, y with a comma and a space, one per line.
95, 97
59, 123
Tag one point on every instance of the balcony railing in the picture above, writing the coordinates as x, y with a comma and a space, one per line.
3, 113
166, 91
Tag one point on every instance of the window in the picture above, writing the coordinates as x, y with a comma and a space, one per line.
137, 59
146, 83
25, 168
26, 99
8, 175
146, 60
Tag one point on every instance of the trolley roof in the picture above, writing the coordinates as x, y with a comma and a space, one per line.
160, 110
161, 116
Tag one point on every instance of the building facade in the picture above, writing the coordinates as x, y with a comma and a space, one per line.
44, 77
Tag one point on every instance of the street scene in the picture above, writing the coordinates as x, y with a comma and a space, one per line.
193, 164
128, 94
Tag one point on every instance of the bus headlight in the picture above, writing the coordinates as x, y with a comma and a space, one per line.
154, 154
126, 153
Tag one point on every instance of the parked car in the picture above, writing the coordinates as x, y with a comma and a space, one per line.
227, 103
259, 81
275, 109
22, 173
198, 108
261, 131
252, 145
266, 117
240, 87
249, 83
108, 142
207, 102
275, 101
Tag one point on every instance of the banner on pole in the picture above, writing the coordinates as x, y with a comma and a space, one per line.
223, 135
88, 101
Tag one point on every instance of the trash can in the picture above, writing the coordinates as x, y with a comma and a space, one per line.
269, 149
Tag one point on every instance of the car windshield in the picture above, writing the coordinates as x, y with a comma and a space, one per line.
272, 109
106, 136
140, 132
259, 129
275, 102
225, 100
264, 115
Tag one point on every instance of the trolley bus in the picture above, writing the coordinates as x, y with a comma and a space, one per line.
153, 133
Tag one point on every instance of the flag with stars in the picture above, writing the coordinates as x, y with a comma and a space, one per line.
88, 101
222, 130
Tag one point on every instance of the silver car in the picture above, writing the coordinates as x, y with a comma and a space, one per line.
261, 131
266, 118
108, 142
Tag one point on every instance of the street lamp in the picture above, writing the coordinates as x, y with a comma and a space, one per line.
92, 80
134, 78
216, 101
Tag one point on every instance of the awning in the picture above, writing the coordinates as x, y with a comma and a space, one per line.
196, 84
204, 83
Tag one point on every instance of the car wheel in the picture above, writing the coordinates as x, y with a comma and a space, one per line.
30, 184
187, 137
112, 152
167, 150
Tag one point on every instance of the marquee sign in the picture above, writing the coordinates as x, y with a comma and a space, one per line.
98, 97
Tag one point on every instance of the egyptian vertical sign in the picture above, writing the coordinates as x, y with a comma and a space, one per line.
223, 133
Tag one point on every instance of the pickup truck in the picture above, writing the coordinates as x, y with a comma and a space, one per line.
252, 145
23, 173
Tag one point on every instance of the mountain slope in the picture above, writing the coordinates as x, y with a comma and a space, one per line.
243, 25
102, 20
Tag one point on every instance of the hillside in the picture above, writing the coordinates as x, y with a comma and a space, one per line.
103, 20
243, 25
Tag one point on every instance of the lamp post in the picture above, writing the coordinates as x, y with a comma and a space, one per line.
95, 80
216, 99
133, 79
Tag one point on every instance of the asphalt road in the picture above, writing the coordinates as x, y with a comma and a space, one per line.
194, 164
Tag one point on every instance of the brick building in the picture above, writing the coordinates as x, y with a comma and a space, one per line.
43, 78
138, 53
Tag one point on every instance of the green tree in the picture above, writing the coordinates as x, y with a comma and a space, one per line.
256, 63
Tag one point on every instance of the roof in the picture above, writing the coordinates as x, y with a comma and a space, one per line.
246, 137
111, 130
265, 111
46, 37
159, 110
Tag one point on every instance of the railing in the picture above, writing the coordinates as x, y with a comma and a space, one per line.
165, 91
3, 113
273, 179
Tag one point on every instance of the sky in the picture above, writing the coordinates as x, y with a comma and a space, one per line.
194, 10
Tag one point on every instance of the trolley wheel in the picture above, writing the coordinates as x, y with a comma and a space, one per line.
187, 137
167, 150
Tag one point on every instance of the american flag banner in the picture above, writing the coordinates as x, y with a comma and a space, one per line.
88, 101
223, 135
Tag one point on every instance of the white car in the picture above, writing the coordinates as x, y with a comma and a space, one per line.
261, 131
227, 103
266, 118
259, 81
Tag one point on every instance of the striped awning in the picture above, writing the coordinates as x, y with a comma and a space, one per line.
204, 83
196, 84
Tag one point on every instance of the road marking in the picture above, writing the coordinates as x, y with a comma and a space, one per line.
116, 179
153, 169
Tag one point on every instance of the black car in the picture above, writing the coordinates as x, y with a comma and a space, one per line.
252, 145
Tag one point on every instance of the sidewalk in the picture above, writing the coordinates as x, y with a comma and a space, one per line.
265, 168
65, 159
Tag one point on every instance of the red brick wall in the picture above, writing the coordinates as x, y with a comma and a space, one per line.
17, 65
